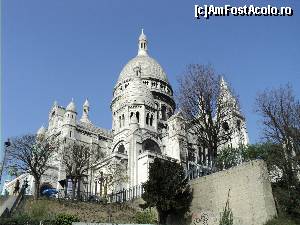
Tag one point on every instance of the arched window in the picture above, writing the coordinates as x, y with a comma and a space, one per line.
120, 122
137, 116
151, 120
170, 113
164, 112
123, 120
225, 126
157, 108
238, 124
147, 119
150, 145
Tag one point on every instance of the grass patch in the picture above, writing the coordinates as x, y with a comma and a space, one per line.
48, 209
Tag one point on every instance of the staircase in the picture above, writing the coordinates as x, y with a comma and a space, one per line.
12, 202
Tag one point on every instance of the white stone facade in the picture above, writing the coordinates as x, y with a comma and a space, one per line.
144, 126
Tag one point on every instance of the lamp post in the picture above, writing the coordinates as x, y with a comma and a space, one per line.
6, 145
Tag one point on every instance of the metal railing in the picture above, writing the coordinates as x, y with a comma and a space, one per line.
128, 194
201, 171
119, 196
125, 195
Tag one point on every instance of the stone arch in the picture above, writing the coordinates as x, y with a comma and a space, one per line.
45, 186
120, 148
150, 145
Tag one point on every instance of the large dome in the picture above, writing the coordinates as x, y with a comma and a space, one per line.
149, 66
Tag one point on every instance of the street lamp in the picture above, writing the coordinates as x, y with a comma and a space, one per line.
6, 145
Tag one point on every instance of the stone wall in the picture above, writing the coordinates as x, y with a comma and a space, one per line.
251, 199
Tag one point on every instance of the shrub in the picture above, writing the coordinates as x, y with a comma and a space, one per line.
65, 219
226, 217
145, 217
283, 220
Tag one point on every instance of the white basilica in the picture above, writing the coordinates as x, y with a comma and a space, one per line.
145, 125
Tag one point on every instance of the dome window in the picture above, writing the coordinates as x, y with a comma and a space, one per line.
151, 120
164, 112
238, 124
123, 120
137, 116
147, 119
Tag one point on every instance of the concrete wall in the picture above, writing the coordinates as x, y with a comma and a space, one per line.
251, 199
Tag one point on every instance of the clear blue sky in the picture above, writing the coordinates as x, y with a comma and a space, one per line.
59, 49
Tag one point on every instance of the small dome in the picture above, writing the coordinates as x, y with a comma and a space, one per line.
71, 106
41, 131
150, 69
137, 93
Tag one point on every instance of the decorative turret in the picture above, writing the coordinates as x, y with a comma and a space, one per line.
85, 113
69, 124
70, 114
143, 44
71, 107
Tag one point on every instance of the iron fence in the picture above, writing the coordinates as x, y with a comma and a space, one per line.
118, 196
201, 171
128, 194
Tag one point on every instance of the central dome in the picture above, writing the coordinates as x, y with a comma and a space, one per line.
149, 66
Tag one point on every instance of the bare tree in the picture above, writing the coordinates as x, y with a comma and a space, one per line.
31, 154
280, 112
207, 104
116, 174
78, 159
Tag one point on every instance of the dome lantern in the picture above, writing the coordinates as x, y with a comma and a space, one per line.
143, 44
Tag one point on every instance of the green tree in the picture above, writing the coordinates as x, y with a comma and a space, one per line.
228, 158
285, 189
167, 189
